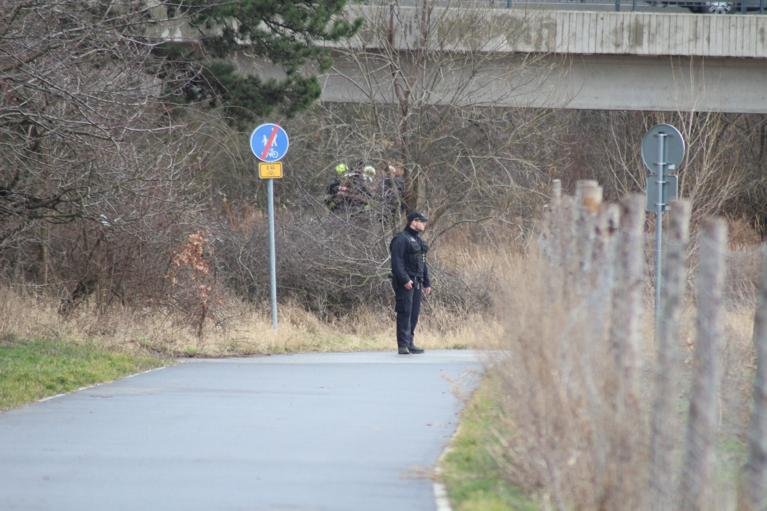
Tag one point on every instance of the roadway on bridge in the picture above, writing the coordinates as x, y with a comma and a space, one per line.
299, 432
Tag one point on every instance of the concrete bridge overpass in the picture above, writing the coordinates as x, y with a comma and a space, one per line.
549, 58
560, 59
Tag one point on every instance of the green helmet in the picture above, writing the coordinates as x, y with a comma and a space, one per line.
341, 169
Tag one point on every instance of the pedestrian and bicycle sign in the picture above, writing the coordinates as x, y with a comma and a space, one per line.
269, 142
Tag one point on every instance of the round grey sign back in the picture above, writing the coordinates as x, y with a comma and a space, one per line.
673, 147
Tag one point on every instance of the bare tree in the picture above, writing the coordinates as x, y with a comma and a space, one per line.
94, 162
717, 174
428, 87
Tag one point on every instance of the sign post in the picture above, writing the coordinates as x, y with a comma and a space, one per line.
664, 144
269, 143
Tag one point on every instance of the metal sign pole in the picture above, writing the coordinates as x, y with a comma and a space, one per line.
269, 143
662, 152
659, 228
272, 250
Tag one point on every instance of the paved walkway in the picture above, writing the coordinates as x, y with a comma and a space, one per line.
353, 431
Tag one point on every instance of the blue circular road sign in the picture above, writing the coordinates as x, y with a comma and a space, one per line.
269, 142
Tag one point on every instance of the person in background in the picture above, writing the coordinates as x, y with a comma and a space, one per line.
369, 173
332, 197
391, 190
356, 188
410, 279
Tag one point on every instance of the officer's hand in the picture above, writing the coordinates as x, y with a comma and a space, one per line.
427, 291
409, 285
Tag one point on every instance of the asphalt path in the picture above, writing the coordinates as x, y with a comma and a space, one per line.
352, 431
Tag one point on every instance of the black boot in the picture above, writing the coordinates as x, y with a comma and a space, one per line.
403, 350
415, 350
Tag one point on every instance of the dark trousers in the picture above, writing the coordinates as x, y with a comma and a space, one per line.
408, 307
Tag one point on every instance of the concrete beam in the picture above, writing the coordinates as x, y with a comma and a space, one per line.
554, 81
550, 59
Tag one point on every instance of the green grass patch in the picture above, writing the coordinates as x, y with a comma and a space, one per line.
473, 479
31, 370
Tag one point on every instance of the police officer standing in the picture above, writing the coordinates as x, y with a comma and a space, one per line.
410, 278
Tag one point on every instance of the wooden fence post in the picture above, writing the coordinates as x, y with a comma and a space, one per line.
551, 227
621, 490
702, 417
551, 242
604, 274
568, 244
556, 193
663, 422
625, 326
589, 199
606, 226
592, 352
753, 490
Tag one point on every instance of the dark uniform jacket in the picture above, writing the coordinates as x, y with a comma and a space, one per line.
408, 258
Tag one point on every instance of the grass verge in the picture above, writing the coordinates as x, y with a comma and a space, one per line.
471, 474
31, 370
241, 329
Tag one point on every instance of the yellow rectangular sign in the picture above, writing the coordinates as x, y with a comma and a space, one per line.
270, 170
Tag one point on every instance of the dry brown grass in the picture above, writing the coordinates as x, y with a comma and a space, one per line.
234, 327
240, 328
565, 438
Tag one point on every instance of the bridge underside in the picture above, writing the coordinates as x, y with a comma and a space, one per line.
600, 82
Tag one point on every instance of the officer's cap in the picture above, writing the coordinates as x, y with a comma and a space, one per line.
415, 215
